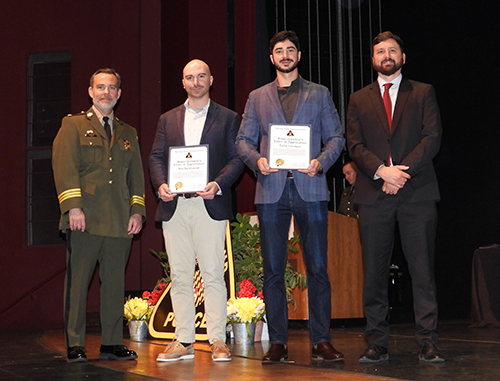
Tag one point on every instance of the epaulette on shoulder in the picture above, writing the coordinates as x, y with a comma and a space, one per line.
80, 113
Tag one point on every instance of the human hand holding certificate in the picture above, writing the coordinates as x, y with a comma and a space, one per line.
289, 146
188, 168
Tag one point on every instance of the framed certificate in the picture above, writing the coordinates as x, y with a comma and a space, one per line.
188, 168
289, 146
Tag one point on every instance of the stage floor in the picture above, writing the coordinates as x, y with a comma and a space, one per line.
471, 354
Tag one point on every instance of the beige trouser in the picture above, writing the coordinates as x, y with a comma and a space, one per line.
189, 235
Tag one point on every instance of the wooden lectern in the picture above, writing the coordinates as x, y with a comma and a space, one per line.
345, 270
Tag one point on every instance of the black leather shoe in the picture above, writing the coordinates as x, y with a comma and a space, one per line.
116, 352
276, 354
326, 351
374, 353
76, 354
429, 352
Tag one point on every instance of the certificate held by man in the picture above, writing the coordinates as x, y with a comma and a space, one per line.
289, 146
188, 168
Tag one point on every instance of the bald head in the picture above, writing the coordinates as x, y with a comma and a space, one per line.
198, 64
197, 79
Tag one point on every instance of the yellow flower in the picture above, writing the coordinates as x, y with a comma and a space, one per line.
137, 309
245, 310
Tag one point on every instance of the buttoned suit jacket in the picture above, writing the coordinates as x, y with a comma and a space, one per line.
314, 107
414, 140
105, 179
219, 132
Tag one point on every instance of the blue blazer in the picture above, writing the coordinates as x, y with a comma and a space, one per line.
219, 132
314, 107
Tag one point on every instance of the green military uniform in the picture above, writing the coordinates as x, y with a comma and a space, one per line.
106, 180
346, 206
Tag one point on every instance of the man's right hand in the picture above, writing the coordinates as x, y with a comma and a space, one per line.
165, 194
77, 219
264, 167
394, 175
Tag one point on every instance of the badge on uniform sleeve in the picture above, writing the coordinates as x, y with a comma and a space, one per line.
127, 145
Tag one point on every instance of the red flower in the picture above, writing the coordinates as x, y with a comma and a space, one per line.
247, 290
155, 295
260, 295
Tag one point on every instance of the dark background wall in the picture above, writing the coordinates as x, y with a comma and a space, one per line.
149, 42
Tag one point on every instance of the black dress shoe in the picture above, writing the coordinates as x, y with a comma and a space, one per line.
76, 354
276, 354
116, 352
326, 351
374, 353
429, 352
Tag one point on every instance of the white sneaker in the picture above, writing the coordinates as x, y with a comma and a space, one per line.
220, 351
175, 351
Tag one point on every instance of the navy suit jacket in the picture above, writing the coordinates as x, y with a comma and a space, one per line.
219, 132
414, 140
314, 107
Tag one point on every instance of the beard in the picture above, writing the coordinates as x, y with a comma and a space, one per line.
106, 106
286, 69
380, 68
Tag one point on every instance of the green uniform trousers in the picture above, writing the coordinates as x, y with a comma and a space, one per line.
83, 253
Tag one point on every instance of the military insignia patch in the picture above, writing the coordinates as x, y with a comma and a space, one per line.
90, 134
127, 145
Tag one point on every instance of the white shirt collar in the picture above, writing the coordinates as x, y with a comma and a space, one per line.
395, 82
198, 112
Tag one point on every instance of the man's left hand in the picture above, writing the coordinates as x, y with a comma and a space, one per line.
134, 224
389, 188
313, 168
209, 192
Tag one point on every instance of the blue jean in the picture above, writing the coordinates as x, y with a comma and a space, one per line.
312, 222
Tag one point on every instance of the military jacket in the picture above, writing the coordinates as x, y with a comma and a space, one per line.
105, 179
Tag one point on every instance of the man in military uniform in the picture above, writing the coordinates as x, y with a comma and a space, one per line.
100, 185
346, 206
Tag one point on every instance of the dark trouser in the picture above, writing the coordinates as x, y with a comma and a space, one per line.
417, 225
83, 252
312, 221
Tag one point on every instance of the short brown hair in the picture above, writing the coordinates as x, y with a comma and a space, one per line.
106, 70
283, 36
384, 36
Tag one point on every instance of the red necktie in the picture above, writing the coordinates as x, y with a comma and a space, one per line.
388, 111
388, 104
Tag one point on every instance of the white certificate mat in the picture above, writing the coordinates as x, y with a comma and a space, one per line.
289, 146
188, 168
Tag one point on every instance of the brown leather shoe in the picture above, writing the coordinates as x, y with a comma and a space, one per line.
429, 352
326, 351
276, 354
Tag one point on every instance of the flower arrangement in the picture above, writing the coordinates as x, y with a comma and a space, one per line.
155, 295
141, 308
248, 307
137, 309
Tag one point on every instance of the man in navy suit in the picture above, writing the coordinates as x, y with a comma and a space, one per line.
194, 224
292, 100
393, 133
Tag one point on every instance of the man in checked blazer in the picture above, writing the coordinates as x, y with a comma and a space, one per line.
194, 224
292, 100
393, 143
100, 185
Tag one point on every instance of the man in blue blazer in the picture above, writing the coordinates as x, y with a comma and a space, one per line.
393, 133
194, 224
292, 100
